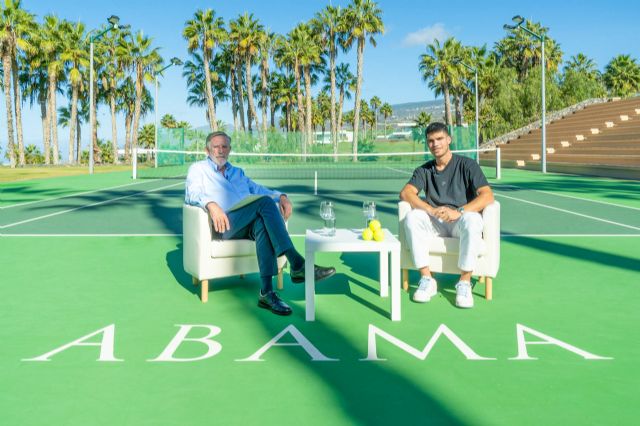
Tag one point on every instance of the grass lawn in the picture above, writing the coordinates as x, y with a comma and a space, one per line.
8, 174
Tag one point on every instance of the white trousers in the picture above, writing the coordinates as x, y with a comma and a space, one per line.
420, 227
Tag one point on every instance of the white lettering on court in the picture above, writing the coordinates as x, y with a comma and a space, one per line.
106, 345
302, 341
546, 340
213, 347
422, 355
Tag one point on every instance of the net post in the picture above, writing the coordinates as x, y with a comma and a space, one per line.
315, 182
498, 167
134, 163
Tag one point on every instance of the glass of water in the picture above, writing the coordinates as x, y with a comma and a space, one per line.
328, 214
369, 212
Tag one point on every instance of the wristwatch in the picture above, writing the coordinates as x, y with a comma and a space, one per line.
460, 209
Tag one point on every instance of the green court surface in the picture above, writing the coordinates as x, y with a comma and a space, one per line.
85, 254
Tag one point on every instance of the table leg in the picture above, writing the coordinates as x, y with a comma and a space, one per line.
395, 285
384, 273
309, 286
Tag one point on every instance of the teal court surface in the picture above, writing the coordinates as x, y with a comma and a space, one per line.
100, 324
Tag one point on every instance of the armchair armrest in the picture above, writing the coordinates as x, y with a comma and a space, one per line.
196, 237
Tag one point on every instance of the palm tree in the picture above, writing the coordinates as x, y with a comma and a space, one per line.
423, 119
139, 56
364, 18
168, 121
283, 93
308, 48
110, 73
345, 81
386, 112
76, 58
521, 50
265, 48
204, 33
440, 67
246, 32
329, 23
52, 45
375, 103
622, 76
15, 26
33, 84
582, 64
288, 55
82, 116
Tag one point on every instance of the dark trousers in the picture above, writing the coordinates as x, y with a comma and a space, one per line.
261, 222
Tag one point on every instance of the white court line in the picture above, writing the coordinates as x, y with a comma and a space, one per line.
303, 235
75, 194
89, 235
570, 212
564, 195
88, 205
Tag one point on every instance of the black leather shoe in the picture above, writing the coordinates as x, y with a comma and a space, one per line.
320, 273
272, 301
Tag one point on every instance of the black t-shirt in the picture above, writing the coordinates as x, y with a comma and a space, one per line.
454, 186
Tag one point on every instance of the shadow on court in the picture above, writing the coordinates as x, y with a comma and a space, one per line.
589, 254
367, 391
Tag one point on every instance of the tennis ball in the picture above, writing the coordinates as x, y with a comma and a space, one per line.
367, 234
378, 235
375, 225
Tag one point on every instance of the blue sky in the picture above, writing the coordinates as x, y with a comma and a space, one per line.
599, 29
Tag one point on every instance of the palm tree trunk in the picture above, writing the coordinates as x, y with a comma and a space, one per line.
240, 94
17, 101
307, 89
334, 123
447, 105
340, 105
265, 98
97, 153
252, 110
211, 108
458, 105
46, 134
296, 73
127, 138
234, 104
53, 118
78, 141
288, 114
114, 128
6, 65
72, 122
137, 108
356, 110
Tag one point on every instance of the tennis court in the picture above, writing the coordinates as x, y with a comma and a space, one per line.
102, 254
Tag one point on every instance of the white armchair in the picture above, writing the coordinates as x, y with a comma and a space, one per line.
444, 251
205, 258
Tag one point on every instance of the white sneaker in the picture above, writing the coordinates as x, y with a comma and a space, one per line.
427, 288
464, 297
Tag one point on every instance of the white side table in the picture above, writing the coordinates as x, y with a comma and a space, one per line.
347, 240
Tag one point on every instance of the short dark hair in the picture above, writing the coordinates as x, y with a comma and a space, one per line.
436, 127
216, 134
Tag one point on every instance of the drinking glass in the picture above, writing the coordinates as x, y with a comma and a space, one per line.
369, 212
328, 214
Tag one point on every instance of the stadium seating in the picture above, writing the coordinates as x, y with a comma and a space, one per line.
205, 258
601, 139
443, 255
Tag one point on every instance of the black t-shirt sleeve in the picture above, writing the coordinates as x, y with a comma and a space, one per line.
419, 179
476, 178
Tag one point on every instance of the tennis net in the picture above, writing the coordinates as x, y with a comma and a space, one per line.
174, 164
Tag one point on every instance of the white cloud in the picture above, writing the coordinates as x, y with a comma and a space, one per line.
426, 35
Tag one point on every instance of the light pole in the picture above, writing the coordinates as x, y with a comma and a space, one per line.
475, 71
174, 61
113, 20
519, 21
